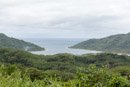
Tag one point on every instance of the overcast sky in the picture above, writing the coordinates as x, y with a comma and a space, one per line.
64, 18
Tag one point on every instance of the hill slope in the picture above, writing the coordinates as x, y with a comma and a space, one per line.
61, 62
8, 42
23, 69
116, 43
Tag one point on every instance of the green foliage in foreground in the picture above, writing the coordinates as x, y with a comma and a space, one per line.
12, 76
23, 69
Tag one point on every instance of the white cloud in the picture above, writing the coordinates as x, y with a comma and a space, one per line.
64, 18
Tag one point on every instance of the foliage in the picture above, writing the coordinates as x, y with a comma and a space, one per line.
23, 69
93, 77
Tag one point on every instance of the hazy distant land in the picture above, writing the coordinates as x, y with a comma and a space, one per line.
116, 43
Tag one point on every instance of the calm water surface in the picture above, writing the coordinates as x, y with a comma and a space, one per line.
55, 46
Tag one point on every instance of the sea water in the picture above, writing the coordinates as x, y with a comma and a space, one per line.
58, 45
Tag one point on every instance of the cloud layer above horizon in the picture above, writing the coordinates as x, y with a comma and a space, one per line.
64, 18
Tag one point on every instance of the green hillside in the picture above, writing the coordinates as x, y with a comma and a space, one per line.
19, 68
63, 62
23, 69
116, 43
9, 42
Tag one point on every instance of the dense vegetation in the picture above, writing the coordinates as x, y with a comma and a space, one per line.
12, 76
8, 42
23, 69
117, 43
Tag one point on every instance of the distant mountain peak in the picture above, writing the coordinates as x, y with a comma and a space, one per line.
2, 35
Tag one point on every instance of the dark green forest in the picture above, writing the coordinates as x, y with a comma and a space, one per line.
22, 69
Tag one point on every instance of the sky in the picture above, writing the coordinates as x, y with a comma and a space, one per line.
64, 18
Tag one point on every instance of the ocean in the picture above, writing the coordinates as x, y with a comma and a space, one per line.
58, 45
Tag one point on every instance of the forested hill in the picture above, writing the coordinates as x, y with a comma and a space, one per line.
9, 42
23, 69
116, 43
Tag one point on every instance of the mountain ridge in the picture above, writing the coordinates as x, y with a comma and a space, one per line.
10, 42
119, 43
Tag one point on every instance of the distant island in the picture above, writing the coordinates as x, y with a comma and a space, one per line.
119, 43
9, 42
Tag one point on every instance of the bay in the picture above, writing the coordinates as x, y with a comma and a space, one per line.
58, 45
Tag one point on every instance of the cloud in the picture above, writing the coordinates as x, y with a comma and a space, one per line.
64, 18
